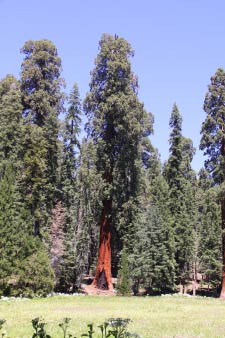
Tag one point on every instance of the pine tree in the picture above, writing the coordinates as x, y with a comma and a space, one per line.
123, 280
89, 211
182, 201
117, 122
18, 246
69, 187
152, 263
210, 238
154, 200
81, 233
213, 144
71, 145
161, 202
69, 156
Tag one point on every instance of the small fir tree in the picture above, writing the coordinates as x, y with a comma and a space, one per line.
123, 279
151, 264
19, 249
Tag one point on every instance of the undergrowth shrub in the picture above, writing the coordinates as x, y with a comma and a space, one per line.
112, 328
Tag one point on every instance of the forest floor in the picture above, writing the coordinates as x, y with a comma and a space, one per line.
152, 317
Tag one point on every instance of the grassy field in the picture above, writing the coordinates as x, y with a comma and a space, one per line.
153, 317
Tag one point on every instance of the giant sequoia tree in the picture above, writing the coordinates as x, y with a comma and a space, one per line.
116, 126
10, 122
42, 103
213, 143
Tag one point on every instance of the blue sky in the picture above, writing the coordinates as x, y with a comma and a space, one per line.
179, 44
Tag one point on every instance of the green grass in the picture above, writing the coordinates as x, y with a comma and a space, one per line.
152, 317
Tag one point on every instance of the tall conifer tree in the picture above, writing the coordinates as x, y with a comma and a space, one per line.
116, 126
213, 144
42, 103
69, 187
181, 193
210, 251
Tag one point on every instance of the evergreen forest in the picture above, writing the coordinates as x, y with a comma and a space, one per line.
96, 204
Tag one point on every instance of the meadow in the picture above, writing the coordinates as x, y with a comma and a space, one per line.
152, 317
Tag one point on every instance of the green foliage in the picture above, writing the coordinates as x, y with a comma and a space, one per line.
34, 179
152, 263
90, 331
113, 327
210, 246
70, 147
40, 80
118, 328
182, 205
123, 286
39, 328
117, 122
64, 326
69, 191
16, 241
42, 102
24, 267
213, 127
11, 124
213, 144
36, 277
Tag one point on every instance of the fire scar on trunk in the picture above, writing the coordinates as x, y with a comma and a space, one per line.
103, 275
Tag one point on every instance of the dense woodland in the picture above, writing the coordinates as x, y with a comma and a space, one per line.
98, 202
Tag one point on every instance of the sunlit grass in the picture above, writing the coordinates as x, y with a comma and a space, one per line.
153, 317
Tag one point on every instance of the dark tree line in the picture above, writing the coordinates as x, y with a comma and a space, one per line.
104, 206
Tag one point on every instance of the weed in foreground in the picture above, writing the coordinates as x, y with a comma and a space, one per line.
112, 328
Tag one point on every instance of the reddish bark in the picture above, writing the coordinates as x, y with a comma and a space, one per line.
222, 294
103, 275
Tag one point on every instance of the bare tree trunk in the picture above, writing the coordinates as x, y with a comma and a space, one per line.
103, 275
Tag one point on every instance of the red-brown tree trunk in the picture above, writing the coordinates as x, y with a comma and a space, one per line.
103, 275
222, 294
